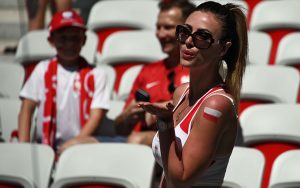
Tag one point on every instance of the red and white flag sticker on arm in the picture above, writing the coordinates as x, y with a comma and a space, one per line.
212, 114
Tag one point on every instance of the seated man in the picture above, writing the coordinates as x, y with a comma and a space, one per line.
157, 81
72, 97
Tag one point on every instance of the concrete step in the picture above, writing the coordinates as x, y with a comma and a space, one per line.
13, 19
4, 4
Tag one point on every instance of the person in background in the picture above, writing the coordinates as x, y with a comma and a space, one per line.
157, 81
197, 132
72, 97
36, 11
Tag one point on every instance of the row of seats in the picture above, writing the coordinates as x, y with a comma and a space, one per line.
140, 47
261, 84
112, 165
276, 18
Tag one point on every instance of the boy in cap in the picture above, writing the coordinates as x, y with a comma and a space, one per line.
72, 97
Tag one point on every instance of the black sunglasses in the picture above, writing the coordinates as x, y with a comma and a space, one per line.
202, 39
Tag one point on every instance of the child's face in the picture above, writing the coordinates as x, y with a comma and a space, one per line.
68, 42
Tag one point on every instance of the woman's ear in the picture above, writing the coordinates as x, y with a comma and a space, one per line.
225, 48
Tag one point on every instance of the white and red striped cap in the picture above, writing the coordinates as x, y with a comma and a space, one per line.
69, 18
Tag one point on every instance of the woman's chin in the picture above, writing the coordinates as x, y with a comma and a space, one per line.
186, 63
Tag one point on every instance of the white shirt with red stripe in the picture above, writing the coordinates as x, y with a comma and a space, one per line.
214, 175
67, 96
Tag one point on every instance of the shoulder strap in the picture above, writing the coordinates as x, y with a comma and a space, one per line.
181, 97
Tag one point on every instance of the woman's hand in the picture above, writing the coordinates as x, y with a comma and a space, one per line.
161, 110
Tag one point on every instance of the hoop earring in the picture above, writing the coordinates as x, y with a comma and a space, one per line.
223, 70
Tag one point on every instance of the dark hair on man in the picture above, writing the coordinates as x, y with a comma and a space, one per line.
185, 6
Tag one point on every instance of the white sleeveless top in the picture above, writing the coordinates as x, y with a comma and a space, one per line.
214, 174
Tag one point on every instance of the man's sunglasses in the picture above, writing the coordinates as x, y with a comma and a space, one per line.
202, 39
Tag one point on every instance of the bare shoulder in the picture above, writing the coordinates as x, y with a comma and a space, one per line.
220, 101
179, 91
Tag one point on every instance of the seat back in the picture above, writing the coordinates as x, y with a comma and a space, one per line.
273, 129
288, 53
9, 111
277, 18
117, 107
125, 49
127, 81
111, 73
260, 44
269, 84
27, 165
12, 78
107, 17
285, 170
245, 168
125, 165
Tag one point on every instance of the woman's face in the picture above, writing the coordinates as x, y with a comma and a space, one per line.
209, 26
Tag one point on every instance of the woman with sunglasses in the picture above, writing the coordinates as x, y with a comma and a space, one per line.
196, 137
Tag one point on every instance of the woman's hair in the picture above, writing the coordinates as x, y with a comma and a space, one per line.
234, 29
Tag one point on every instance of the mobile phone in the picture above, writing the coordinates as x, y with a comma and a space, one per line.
141, 95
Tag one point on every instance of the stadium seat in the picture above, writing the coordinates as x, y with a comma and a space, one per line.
277, 18
285, 170
260, 44
12, 78
115, 109
245, 168
25, 165
272, 129
9, 111
108, 164
111, 73
127, 81
107, 17
125, 49
288, 53
269, 84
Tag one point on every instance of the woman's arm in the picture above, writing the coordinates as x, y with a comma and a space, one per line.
24, 120
182, 167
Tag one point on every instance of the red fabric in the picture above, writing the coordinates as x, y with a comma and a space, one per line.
105, 32
271, 151
49, 126
10, 185
185, 122
85, 93
251, 6
120, 68
29, 67
276, 36
156, 72
14, 134
67, 18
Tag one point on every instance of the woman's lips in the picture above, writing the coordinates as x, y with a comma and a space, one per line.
187, 55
